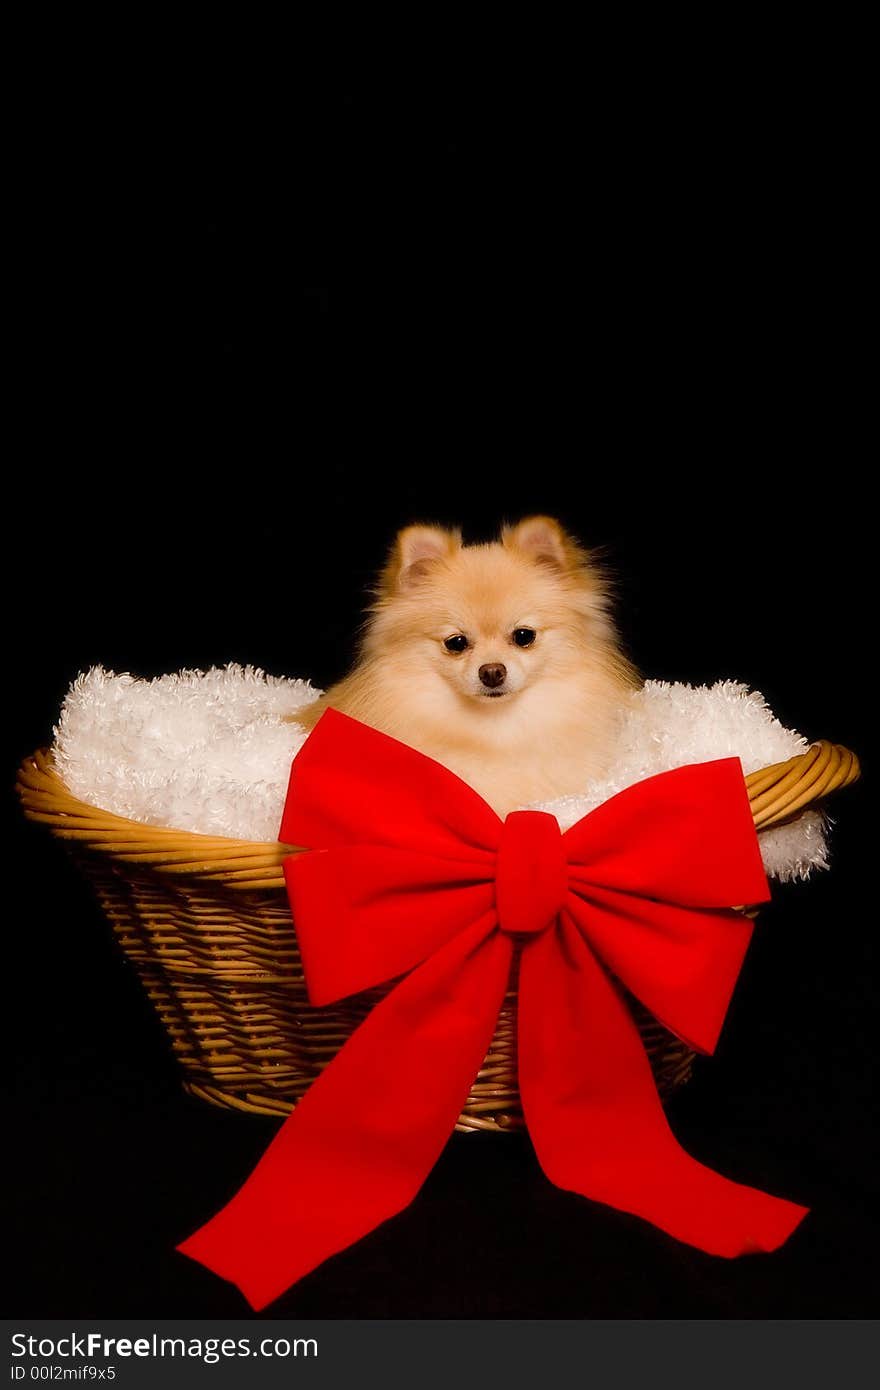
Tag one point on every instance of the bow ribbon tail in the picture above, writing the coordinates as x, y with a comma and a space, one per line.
358, 1146
595, 1117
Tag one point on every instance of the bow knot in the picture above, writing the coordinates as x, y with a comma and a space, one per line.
531, 873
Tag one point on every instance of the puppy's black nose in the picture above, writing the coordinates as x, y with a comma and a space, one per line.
493, 674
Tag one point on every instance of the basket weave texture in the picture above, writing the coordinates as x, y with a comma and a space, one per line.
206, 922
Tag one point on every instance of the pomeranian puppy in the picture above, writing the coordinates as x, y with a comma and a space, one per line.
500, 661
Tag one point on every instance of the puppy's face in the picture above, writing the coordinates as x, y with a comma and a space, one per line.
487, 622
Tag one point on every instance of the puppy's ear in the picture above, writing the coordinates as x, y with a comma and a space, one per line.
542, 538
414, 552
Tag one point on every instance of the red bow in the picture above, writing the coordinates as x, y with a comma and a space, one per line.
413, 871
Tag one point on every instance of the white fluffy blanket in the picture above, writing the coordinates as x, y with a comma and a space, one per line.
207, 751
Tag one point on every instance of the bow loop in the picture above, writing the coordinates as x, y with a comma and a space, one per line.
655, 872
347, 789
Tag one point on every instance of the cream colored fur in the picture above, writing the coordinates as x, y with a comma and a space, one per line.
210, 751
549, 729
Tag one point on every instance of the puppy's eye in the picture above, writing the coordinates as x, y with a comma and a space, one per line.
459, 643
524, 636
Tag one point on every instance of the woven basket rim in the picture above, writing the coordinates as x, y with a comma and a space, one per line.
777, 793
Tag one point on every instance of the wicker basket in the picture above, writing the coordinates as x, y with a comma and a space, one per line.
206, 922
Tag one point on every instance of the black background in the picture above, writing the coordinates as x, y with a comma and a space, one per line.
250, 351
